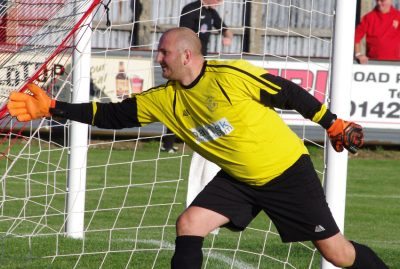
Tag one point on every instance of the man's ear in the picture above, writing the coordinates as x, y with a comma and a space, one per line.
187, 56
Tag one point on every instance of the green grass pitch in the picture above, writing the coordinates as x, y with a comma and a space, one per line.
132, 204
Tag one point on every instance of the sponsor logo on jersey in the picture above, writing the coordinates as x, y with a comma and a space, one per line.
203, 28
212, 131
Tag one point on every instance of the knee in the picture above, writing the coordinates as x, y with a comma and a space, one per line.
184, 225
198, 221
337, 250
341, 256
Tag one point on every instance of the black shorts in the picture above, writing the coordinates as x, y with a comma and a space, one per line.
294, 201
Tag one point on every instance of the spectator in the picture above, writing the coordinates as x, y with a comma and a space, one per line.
201, 16
168, 142
264, 165
382, 31
136, 8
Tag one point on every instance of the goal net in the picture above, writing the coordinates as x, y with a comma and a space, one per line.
130, 190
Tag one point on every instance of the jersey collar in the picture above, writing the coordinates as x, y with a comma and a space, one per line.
191, 85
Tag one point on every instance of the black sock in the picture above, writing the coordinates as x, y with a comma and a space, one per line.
188, 253
366, 258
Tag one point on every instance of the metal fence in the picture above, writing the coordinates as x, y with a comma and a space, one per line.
294, 28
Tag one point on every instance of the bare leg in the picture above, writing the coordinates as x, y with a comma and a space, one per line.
191, 228
337, 250
343, 253
199, 221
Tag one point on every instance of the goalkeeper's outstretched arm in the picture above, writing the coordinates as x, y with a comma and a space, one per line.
35, 104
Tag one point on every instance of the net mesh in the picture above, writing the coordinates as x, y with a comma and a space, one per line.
134, 190
37, 38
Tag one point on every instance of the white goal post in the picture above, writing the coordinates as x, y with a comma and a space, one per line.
79, 136
74, 196
341, 78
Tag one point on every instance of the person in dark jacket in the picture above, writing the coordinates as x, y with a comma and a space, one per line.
136, 7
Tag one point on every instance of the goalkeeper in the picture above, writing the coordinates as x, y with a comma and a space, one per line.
224, 110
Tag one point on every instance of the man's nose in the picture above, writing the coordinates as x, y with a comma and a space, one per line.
158, 57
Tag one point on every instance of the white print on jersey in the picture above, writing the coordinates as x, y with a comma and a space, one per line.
212, 131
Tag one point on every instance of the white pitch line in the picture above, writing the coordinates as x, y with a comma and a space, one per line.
220, 257
375, 196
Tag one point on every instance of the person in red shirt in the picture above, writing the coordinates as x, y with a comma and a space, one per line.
382, 30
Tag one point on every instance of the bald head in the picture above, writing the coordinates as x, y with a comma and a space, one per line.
184, 39
179, 55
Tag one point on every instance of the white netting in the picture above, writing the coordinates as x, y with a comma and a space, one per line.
37, 35
134, 191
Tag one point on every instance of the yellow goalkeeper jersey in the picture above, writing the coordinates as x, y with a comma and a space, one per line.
227, 115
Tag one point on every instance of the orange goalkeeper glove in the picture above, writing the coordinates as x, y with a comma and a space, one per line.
30, 106
345, 134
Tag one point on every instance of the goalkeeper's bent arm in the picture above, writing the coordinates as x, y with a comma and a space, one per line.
342, 134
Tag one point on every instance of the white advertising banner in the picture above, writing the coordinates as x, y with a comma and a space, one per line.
112, 77
375, 96
375, 90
